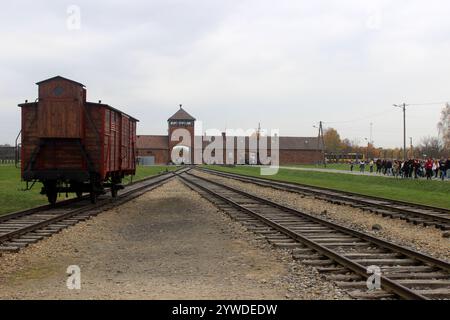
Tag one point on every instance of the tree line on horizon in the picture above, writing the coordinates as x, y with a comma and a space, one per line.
435, 147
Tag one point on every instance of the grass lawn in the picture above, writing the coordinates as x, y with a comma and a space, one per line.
433, 193
13, 199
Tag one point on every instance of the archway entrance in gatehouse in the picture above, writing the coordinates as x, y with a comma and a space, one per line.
182, 155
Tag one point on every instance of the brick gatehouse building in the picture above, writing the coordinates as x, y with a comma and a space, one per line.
156, 149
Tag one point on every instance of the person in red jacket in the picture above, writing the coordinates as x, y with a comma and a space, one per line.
429, 168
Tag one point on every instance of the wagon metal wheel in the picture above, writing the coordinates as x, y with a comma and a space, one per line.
93, 196
78, 188
115, 180
93, 192
113, 191
52, 196
51, 192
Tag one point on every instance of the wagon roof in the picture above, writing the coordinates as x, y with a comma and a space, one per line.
27, 104
112, 108
61, 78
181, 114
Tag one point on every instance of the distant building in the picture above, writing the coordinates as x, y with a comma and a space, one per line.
156, 149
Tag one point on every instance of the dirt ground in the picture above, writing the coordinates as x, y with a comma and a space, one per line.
167, 244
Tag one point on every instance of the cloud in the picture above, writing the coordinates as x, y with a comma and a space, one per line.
232, 63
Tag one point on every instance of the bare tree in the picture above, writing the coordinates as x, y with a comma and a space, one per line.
444, 127
431, 147
346, 146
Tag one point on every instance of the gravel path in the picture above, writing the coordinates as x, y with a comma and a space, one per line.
167, 244
425, 239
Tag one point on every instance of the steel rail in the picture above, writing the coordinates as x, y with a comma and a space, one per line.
59, 204
124, 197
388, 284
389, 245
345, 196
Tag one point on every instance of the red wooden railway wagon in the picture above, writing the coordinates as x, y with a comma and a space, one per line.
71, 145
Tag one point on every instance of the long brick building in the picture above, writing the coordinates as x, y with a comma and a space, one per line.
157, 149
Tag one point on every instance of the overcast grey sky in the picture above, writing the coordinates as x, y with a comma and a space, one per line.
286, 63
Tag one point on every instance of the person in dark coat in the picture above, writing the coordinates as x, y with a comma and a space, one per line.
442, 168
407, 167
416, 168
429, 168
378, 165
446, 169
389, 167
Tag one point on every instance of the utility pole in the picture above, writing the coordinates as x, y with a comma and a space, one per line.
403, 106
412, 149
258, 133
320, 139
367, 150
370, 140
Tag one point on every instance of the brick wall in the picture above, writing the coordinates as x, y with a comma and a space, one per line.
286, 156
161, 155
299, 156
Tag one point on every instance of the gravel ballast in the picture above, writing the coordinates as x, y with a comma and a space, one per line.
428, 240
167, 244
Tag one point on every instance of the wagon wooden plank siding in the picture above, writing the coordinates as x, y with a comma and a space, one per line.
60, 109
71, 145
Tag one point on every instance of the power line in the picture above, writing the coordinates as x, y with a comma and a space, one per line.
427, 103
359, 118
383, 112
403, 107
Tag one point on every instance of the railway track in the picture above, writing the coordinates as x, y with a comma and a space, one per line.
412, 213
343, 255
20, 229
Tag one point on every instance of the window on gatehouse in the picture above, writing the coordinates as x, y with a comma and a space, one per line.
181, 123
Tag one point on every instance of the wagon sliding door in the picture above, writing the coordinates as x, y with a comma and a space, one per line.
112, 141
126, 151
29, 136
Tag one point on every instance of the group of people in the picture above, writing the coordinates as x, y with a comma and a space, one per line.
412, 168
